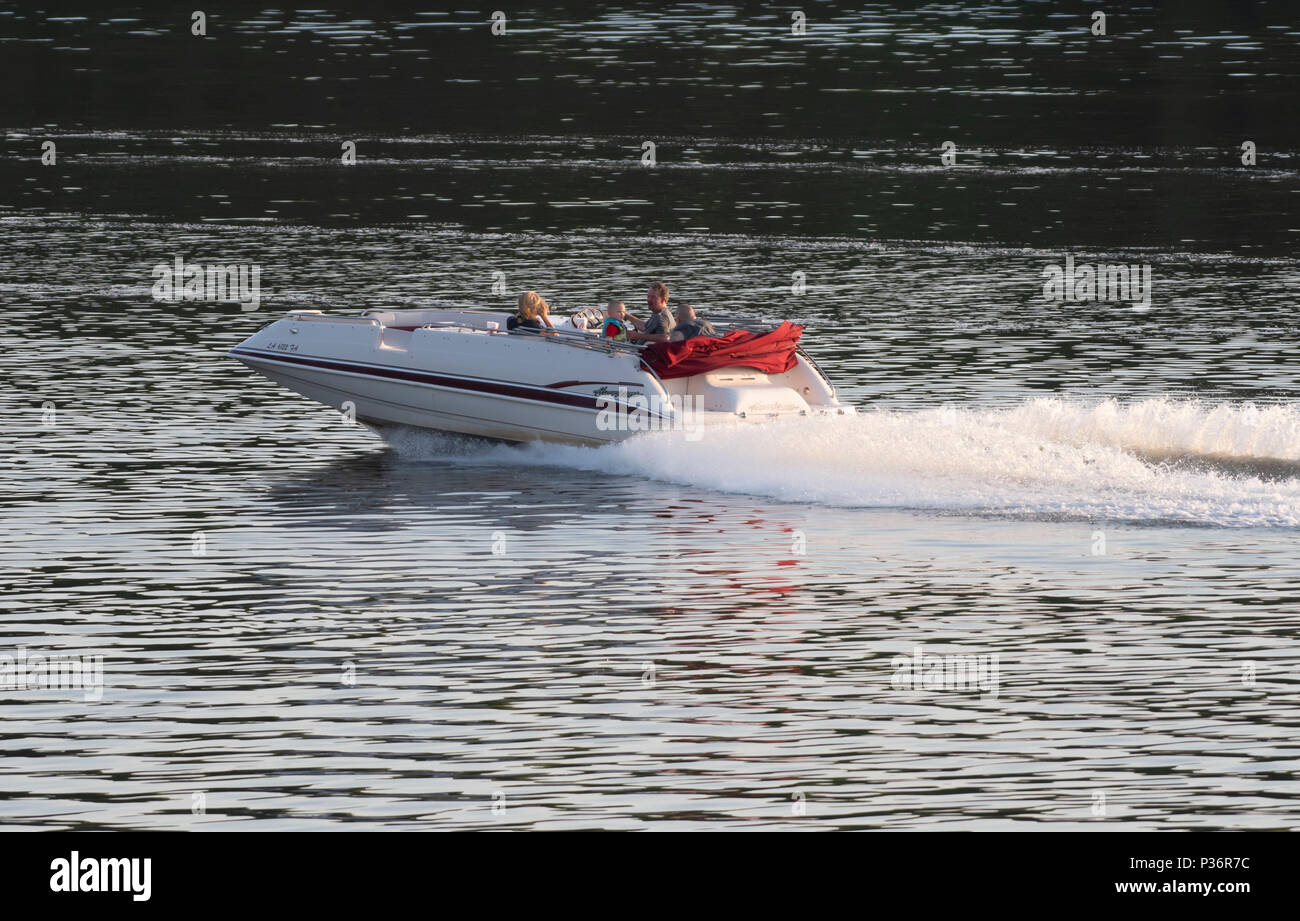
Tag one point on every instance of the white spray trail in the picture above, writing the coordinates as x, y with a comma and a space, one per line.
1233, 465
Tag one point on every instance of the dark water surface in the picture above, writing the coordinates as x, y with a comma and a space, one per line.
312, 628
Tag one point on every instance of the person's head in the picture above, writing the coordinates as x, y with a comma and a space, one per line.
616, 310
531, 306
684, 313
657, 296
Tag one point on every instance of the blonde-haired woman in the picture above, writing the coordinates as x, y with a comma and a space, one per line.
533, 313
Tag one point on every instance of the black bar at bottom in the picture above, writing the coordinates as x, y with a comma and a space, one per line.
328, 870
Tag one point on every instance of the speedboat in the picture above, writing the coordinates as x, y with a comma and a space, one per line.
461, 371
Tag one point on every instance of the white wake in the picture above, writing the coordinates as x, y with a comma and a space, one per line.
1235, 465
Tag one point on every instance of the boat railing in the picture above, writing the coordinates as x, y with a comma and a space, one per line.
582, 340
564, 336
317, 317
573, 338
799, 350
487, 311
740, 321
450, 324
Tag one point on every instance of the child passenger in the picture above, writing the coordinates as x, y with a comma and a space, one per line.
615, 325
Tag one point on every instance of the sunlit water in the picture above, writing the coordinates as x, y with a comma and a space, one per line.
312, 626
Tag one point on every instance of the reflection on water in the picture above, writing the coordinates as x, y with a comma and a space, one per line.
611, 652
312, 627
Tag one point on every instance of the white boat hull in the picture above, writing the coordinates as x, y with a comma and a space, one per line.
415, 369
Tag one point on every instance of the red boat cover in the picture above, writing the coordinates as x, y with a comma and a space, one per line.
771, 353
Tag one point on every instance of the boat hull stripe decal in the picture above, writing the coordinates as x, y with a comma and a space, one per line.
496, 388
